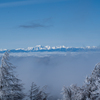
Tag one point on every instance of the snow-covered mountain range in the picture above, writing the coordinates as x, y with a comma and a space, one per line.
40, 48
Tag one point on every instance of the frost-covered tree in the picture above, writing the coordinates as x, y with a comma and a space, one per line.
10, 86
73, 93
92, 84
89, 91
79, 92
37, 94
67, 93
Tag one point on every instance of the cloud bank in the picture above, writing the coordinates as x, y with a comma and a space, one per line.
55, 70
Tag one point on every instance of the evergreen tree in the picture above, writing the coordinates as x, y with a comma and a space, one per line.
36, 93
67, 93
89, 91
10, 86
92, 84
79, 92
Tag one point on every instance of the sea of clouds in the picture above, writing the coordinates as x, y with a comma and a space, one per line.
55, 70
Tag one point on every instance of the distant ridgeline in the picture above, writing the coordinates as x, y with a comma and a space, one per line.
40, 48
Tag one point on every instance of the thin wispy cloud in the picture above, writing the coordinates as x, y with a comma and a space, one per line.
34, 25
9, 4
46, 22
28, 2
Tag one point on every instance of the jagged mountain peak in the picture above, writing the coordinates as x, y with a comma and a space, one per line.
40, 48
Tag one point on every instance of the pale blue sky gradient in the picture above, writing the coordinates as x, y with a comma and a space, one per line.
26, 23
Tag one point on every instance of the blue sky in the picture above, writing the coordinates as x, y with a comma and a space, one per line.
26, 23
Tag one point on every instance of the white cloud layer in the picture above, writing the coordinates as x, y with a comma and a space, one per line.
55, 69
